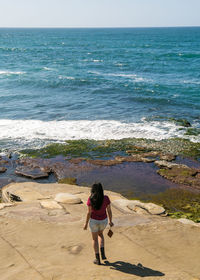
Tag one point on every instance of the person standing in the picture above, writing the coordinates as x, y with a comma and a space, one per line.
98, 208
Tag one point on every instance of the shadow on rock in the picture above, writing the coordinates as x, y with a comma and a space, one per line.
133, 269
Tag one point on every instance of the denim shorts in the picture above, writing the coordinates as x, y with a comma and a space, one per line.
98, 225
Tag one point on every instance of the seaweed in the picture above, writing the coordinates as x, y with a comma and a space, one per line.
106, 148
178, 203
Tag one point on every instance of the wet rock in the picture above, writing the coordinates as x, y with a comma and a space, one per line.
136, 149
167, 157
181, 122
33, 173
67, 198
166, 164
182, 175
3, 169
148, 160
76, 160
133, 158
60, 170
69, 181
44, 164
151, 154
50, 204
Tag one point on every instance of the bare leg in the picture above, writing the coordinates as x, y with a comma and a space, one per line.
95, 242
101, 242
101, 238
96, 247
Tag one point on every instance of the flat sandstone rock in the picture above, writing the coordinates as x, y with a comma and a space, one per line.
67, 198
137, 206
51, 204
3, 205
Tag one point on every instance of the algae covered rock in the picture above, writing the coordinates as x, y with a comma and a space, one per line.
181, 175
166, 164
68, 180
167, 157
67, 198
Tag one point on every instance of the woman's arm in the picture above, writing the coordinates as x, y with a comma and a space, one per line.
109, 211
88, 217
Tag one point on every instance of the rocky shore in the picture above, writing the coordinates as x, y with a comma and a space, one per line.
42, 237
117, 163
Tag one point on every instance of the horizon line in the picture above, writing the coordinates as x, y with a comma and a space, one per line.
95, 27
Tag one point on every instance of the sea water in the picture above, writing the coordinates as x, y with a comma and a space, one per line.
60, 84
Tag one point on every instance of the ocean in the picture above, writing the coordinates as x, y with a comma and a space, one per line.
61, 84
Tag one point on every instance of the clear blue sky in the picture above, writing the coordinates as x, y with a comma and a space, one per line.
99, 13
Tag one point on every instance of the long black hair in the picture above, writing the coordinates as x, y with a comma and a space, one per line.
97, 196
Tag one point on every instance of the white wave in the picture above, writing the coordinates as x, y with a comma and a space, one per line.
48, 68
133, 77
36, 131
66, 77
197, 82
11, 72
97, 60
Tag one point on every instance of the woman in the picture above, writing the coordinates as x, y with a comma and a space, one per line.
98, 207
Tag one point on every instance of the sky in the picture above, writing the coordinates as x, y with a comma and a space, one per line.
99, 13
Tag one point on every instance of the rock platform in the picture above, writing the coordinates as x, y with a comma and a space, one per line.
42, 237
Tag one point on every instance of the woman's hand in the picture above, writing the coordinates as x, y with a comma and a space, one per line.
85, 227
111, 224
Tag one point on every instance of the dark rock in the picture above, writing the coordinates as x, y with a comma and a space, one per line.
13, 197
182, 175
43, 164
133, 158
60, 170
76, 160
3, 169
33, 173
181, 122
167, 157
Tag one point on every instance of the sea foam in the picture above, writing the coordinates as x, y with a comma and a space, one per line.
11, 72
35, 130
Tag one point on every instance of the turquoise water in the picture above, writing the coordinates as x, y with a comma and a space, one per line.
59, 84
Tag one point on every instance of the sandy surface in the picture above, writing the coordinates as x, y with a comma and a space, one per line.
38, 243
